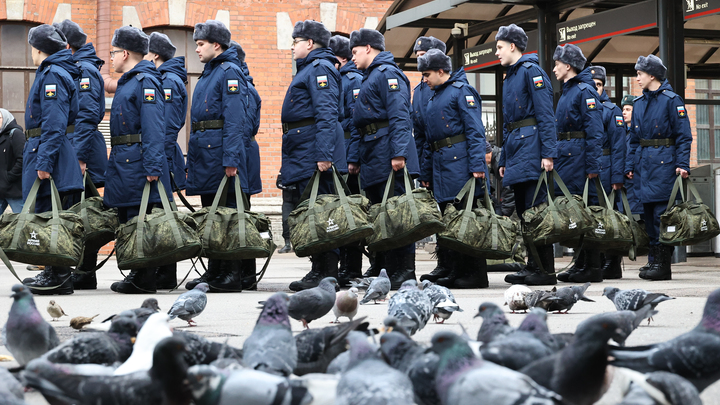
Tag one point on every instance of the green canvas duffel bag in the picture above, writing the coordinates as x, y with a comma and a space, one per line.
477, 232
160, 238
641, 241
225, 236
52, 238
100, 222
688, 222
328, 221
405, 219
560, 218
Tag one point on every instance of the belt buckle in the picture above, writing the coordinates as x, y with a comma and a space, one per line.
372, 129
285, 128
201, 124
449, 142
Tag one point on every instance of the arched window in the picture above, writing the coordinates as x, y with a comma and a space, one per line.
17, 71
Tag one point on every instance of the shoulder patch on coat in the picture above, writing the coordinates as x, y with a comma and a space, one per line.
168, 95
591, 103
84, 84
619, 121
538, 82
322, 82
233, 86
470, 100
681, 111
51, 91
149, 95
356, 92
393, 85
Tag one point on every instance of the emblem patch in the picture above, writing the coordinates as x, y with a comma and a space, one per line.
50, 91
590, 103
85, 84
619, 121
393, 85
538, 82
681, 111
33, 241
322, 82
471, 101
356, 92
233, 86
149, 95
168, 95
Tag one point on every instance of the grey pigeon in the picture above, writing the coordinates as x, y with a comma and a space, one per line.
203, 351
271, 347
540, 299
11, 391
215, 386
346, 304
362, 283
495, 324
635, 299
190, 304
148, 307
378, 289
339, 363
673, 390
369, 380
313, 303
410, 306
628, 321
694, 355
463, 379
567, 297
416, 361
165, 383
530, 342
442, 300
316, 348
27, 335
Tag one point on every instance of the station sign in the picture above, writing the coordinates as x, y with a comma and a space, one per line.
483, 56
611, 23
700, 8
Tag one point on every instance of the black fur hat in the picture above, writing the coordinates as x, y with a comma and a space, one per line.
310, 29
434, 59
161, 45
428, 43
75, 36
366, 36
47, 39
628, 99
213, 31
514, 35
598, 72
572, 55
652, 65
341, 46
131, 39
240, 51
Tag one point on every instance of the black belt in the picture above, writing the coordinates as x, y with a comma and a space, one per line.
606, 152
348, 135
373, 128
437, 145
527, 122
125, 139
211, 124
566, 136
289, 126
35, 132
657, 142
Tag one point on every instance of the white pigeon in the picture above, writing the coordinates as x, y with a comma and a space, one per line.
156, 328
515, 297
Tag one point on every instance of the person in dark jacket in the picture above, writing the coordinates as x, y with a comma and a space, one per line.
137, 129
51, 109
221, 124
455, 135
351, 255
664, 150
421, 96
530, 141
12, 141
632, 186
382, 117
312, 134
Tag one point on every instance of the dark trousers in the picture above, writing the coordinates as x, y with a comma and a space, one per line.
653, 211
44, 203
353, 183
290, 201
375, 193
524, 196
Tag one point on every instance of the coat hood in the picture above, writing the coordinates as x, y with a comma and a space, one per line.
349, 67
320, 53
175, 65
383, 58
64, 60
87, 53
664, 86
583, 77
144, 66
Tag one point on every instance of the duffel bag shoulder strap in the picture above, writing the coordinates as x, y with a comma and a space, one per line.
467, 192
26, 213
55, 222
240, 204
342, 191
220, 198
673, 195
632, 253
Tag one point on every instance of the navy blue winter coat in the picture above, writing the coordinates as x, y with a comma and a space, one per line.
88, 141
633, 186
659, 114
221, 93
174, 77
137, 108
52, 105
421, 96
384, 96
252, 148
612, 166
455, 108
313, 94
527, 93
579, 109
351, 81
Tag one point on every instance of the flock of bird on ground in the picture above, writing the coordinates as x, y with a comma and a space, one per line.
135, 357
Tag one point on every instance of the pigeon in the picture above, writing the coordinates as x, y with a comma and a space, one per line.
515, 297
190, 304
214, 386
410, 306
627, 320
339, 363
346, 304
442, 300
635, 299
521, 347
316, 348
308, 305
418, 363
271, 346
11, 391
463, 379
27, 335
164, 383
391, 324
149, 306
540, 299
362, 283
79, 322
55, 310
141, 359
378, 289
567, 297
694, 355
677, 390
203, 351
495, 324
368, 380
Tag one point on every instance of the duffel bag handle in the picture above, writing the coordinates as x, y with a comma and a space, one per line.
29, 210
140, 229
89, 186
550, 190
221, 199
605, 201
673, 195
632, 253
342, 191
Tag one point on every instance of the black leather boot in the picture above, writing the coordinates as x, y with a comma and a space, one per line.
88, 280
350, 265
651, 258
287, 248
612, 267
578, 266
229, 279
547, 259
322, 266
444, 265
139, 281
455, 264
249, 274
660, 269
166, 277
475, 270
42, 277
401, 268
377, 263
213, 269
592, 271
528, 269
53, 277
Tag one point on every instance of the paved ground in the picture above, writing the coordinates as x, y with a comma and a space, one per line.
232, 316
